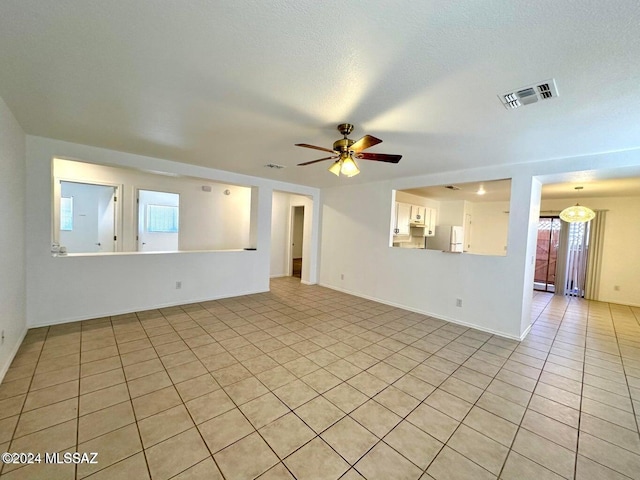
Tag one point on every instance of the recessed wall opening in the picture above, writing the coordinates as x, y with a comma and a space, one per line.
140, 211
455, 218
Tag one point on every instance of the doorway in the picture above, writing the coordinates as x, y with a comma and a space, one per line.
87, 217
547, 254
158, 221
297, 236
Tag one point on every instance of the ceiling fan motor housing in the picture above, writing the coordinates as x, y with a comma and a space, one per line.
342, 145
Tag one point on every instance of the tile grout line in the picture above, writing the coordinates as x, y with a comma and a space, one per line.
532, 394
26, 394
624, 371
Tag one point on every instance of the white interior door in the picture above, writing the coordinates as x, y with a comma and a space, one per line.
158, 221
90, 224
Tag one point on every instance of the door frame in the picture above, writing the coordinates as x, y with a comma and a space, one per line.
136, 208
117, 210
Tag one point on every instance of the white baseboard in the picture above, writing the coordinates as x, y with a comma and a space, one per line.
430, 314
142, 308
4, 368
526, 332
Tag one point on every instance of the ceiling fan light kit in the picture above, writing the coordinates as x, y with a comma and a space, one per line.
345, 151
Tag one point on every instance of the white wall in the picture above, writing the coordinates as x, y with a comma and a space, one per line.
208, 220
620, 252
280, 208
61, 289
451, 212
12, 236
496, 291
489, 228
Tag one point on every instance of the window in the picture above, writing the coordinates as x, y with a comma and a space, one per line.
162, 219
66, 213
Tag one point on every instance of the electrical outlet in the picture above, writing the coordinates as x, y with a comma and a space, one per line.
458, 302
342, 276
178, 285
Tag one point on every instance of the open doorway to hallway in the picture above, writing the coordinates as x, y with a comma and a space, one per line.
291, 236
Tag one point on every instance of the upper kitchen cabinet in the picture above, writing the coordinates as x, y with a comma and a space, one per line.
402, 219
417, 214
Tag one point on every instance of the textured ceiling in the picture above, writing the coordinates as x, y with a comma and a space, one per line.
234, 84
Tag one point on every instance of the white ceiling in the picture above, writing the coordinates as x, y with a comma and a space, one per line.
234, 84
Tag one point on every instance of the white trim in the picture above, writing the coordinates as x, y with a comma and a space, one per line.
12, 355
143, 308
526, 332
433, 315
304, 282
279, 275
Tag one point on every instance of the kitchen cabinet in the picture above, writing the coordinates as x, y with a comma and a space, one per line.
417, 214
430, 222
402, 219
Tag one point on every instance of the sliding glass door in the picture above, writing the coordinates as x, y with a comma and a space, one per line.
547, 254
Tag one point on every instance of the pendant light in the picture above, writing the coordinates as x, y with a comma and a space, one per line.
577, 213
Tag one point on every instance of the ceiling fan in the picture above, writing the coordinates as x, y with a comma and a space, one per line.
345, 151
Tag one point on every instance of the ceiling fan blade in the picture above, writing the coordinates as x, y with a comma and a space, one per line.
319, 160
306, 145
364, 143
379, 157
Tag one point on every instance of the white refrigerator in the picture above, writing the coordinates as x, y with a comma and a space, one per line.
448, 238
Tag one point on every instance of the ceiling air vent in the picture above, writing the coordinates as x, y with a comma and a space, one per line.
530, 94
452, 187
274, 165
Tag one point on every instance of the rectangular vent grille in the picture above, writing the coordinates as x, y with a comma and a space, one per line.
452, 187
274, 165
530, 94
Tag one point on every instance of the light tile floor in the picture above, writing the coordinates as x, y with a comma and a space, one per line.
308, 383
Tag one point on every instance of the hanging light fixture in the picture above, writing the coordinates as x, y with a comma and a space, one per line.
345, 165
577, 213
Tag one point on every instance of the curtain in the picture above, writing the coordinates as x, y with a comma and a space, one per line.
594, 260
577, 258
561, 259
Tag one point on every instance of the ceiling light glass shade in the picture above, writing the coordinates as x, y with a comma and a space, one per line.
335, 168
349, 167
577, 213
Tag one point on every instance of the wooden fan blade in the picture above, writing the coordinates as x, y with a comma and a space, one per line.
379, 157
364, 143
306, 145
316, 161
